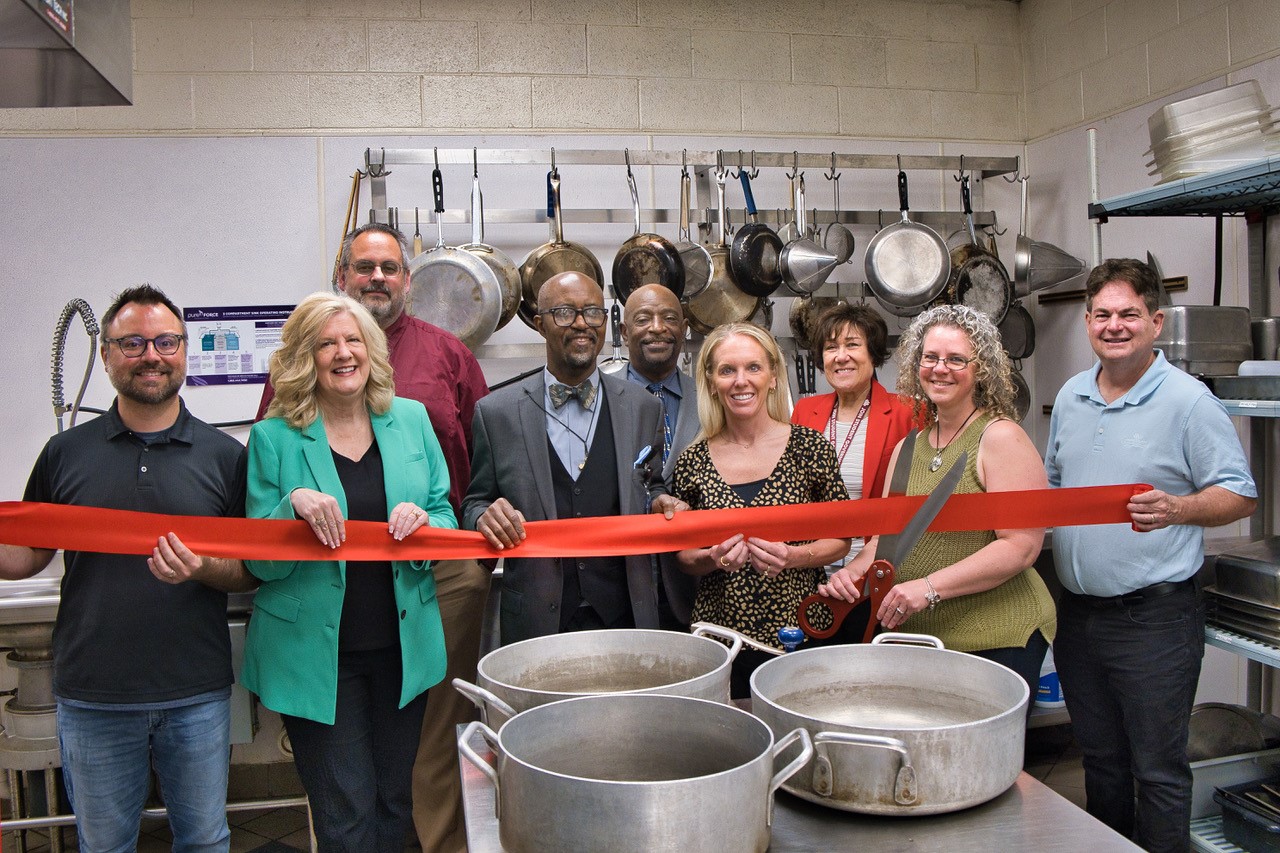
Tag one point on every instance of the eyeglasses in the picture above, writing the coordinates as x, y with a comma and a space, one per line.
133, 346
953, 362
389, 268
592, 315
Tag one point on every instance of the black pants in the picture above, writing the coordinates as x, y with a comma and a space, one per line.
358, 772
1129, 676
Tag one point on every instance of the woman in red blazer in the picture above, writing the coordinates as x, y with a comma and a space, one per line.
862, 420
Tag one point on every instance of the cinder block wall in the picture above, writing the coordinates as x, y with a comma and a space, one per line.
897, 69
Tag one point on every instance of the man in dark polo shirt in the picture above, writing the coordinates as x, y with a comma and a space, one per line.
436, 369
142, 656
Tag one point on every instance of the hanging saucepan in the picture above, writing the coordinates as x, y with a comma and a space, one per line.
1021, 395
453, 288
837, 239
554, 257
1018, 332
805, 264
907, 263
645, 258
617, 362
722, 301
502, 265
1022, 253
696, 258
757, 250
978, 279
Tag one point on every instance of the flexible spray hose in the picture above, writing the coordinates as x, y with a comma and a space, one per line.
75, 306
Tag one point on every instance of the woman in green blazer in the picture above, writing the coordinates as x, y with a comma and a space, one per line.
345, 651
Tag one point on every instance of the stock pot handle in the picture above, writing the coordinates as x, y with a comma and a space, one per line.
806, 752
899, 638
490, 738
727, 632
483, 699
707, 629
904, 785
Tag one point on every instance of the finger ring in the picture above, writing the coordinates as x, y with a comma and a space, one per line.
899, 609
170, 572
724, 561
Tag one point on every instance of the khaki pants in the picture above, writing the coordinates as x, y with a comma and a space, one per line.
462, 587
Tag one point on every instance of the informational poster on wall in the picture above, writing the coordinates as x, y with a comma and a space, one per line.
232, 345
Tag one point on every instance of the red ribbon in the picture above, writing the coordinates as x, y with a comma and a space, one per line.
74, 528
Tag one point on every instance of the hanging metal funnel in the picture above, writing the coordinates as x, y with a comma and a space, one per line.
1038, 265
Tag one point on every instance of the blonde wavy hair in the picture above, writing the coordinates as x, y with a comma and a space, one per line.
993, 388
710, 411
293, 366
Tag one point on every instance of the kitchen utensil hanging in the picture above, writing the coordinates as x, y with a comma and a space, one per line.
645, 258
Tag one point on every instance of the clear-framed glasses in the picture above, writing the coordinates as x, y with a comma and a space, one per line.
953, 362
133, 346
564, 315
389, 268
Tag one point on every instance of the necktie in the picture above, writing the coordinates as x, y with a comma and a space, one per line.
561, 394
655, 388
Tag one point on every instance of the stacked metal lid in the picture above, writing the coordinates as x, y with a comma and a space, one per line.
1217, 130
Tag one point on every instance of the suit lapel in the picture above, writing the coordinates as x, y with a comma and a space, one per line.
686, 423
392, 448
627, 438
532, 423
315, 449
877, 433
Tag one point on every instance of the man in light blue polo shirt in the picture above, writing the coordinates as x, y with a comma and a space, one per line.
1130, 619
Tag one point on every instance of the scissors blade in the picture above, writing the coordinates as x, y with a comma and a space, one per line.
919, 523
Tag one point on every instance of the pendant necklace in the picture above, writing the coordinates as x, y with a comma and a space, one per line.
586, 447
936, 462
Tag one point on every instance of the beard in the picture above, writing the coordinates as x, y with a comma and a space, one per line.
385, 312
132, 387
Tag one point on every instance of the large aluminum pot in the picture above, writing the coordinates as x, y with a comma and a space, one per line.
627, 772
897, 729
546, 669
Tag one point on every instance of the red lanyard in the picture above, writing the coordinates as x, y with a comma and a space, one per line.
857, 422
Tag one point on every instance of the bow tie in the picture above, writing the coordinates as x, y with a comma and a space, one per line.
561, 394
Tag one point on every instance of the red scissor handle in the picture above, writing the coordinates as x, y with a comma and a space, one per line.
878, 580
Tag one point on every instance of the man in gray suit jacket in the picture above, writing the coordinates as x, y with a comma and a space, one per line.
654, 328
564, 444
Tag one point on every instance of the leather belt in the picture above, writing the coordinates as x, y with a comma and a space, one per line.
1138, 596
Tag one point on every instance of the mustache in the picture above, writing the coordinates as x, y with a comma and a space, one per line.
375, 288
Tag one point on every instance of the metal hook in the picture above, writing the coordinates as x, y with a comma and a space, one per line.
1017, 174
554, 173
754, 173
795, 166
475, 164
626, 155
436, 153
684, 162
379, 170
720, 170
737, 176
899, 162
833, 175
880, 219
960, 177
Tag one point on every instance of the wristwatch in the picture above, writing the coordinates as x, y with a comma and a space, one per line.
932, 595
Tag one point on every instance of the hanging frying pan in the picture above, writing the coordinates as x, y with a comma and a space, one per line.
1021, 395
453, 288
907, 263
617, 362
554, 257
696, 258
1018, 332
722, 301
645, 258
978, 279
503, 267
756, 250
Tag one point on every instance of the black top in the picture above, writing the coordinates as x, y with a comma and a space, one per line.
369, 602
747, 492
121, 635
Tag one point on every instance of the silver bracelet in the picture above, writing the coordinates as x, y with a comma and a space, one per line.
932, 595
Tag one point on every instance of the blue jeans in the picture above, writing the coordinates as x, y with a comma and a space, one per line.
1129, 676
358, 772
106, 762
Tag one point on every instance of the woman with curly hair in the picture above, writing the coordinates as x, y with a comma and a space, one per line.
345, 650
975, 590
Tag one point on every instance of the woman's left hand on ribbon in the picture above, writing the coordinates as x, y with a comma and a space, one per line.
406, 518
768, 558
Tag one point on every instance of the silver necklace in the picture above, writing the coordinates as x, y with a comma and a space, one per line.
936, 462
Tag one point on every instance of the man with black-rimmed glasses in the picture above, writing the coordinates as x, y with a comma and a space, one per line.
142, 655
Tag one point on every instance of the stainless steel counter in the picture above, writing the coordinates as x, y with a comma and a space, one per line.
1029, 816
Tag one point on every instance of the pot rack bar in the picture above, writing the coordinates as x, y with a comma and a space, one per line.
379, 162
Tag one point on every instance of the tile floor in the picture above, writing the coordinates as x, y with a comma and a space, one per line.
1051, 756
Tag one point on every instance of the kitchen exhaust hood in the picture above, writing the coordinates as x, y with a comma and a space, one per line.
65, 53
